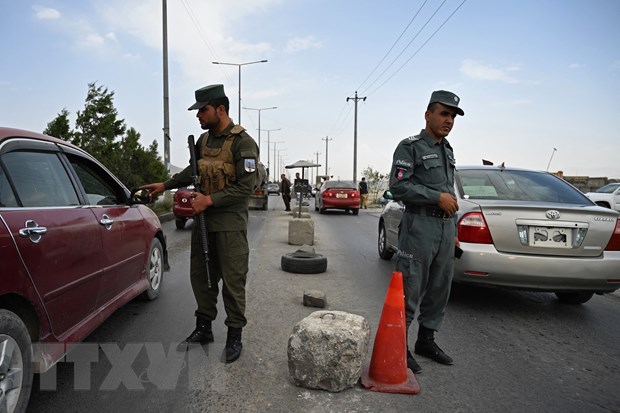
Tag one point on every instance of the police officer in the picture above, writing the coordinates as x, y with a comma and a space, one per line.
227, 158
422, 178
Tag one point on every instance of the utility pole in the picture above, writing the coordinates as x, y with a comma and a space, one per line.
326, 139
276, 177
166, 99
355, 99
317, 168
269, 148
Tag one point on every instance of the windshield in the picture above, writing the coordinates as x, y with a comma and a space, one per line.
338, 185
608, 189
509, 185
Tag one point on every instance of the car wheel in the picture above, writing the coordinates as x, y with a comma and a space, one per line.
180, 222
355, 211
579, 297
384, 251
154, 271
321, 210
15, 363
301, 262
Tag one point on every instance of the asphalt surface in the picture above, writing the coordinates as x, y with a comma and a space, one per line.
513, 351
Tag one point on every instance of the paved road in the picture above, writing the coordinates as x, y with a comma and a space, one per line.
514, 351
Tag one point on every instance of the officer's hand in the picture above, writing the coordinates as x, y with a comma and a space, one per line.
447, 202
200, 202
154, 189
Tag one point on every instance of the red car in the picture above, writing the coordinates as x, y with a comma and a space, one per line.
338, 195
182, 207
76, 245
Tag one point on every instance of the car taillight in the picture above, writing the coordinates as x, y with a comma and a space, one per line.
355, 194
473, 228
328, 194
614, 241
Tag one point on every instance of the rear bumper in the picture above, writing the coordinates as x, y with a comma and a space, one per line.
538, 273
341, 203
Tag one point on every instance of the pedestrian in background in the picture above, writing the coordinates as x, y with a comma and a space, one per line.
227, 157
285, 190
422, 178
363, 186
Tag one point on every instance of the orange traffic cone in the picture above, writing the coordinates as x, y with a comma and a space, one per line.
388, 370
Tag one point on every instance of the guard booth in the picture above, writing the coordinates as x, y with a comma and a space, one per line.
301, 185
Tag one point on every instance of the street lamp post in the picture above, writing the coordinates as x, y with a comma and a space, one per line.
239, 66
268, 145
259, 110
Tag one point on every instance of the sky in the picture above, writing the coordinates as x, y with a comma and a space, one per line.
539, 80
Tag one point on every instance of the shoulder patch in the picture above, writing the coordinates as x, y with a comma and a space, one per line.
402, 162
249, 165
413, 138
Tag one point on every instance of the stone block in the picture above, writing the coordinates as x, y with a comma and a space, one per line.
327, 349
303, 214
314, 298
301, 231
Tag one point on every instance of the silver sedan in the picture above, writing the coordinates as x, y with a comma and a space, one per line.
528, 230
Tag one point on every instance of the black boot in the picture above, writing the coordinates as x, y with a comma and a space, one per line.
426, 346
202, 334
412, 364
233, 344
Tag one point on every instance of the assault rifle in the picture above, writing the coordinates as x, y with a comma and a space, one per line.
202, 222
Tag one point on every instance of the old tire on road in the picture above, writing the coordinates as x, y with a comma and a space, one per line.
301, 262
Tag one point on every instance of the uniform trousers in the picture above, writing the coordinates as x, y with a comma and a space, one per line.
426, 259
228, 261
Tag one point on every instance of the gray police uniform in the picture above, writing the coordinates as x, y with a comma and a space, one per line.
422, 168
227, 222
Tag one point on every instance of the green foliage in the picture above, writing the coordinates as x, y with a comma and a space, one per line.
100, 132
376, 181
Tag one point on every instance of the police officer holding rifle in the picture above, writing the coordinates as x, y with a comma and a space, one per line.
226, 167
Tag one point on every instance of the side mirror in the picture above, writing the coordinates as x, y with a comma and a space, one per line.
140, 196
387, 195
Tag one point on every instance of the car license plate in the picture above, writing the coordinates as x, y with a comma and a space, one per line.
341, 195
549, 237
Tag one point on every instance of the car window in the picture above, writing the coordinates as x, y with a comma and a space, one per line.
517, 186
608, 189
339, 185
7, 197
40, 179
97, 185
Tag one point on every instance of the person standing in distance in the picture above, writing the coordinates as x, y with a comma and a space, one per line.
363, 186
285, 190
422, 178
227, 158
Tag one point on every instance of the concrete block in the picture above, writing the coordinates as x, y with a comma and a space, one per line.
315, 298
301, 231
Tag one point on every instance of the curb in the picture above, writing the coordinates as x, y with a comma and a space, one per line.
166, 217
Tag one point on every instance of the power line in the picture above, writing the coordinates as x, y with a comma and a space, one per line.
420, 48
407, 46
394, 45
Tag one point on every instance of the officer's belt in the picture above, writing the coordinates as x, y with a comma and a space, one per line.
428, 211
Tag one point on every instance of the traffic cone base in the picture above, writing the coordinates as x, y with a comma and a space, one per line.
387, 371
410, 386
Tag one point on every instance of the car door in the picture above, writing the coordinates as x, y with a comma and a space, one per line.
122, 229
58, 241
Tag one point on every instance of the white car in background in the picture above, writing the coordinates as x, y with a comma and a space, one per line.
607, 196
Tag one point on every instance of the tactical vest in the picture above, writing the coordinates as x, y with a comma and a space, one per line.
216, 166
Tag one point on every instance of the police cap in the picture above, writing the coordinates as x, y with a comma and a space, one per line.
206, 94
447, 99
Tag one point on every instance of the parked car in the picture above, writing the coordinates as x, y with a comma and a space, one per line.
528, 230
182, 207
76, 245
607, 196
337, 195
273, 189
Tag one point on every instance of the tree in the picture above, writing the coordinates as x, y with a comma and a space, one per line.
60, 127
100, 132
376, 181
